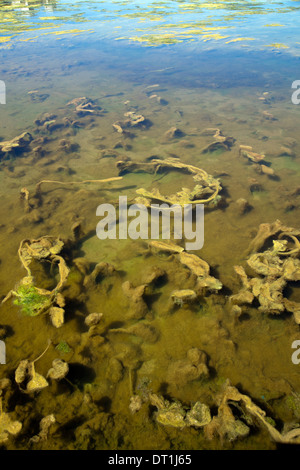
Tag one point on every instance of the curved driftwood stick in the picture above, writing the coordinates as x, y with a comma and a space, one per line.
107, 180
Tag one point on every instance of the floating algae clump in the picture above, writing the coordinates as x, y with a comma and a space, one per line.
34, 300
30, 300
273, 269
206, 189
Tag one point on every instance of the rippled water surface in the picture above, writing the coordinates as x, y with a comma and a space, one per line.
195, 73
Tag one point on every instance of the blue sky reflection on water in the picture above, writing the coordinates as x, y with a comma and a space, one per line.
254, 25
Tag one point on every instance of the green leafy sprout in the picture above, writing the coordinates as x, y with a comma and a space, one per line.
63, 347
30, 300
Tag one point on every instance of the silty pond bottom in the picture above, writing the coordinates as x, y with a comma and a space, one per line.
133, 344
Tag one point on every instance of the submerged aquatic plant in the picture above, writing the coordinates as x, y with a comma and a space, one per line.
34, 300
216, 201
63, 347
30, 300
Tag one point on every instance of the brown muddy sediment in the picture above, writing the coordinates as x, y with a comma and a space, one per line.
151, 335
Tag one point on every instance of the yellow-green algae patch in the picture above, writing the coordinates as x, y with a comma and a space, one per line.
240, 39
5, 38
278, 46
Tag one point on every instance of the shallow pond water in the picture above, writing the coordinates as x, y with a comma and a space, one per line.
189, 66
